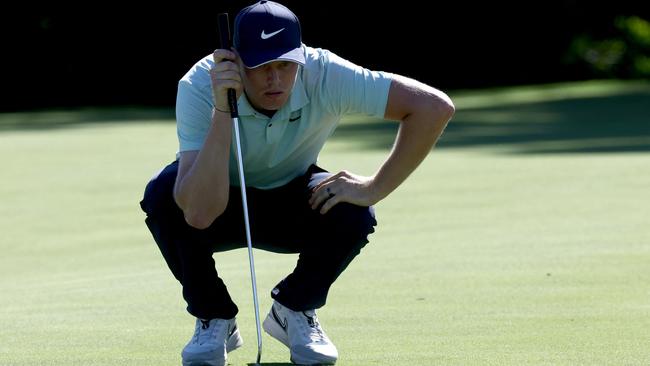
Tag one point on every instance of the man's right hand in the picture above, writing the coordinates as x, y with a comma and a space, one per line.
223, 76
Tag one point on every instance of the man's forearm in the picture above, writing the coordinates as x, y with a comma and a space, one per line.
201, 191
417, 135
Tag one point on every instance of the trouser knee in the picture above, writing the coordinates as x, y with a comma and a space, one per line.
351, 222
163, 217
158, 197
345, 221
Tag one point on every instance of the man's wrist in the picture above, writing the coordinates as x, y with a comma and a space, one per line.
377, 189
220, 110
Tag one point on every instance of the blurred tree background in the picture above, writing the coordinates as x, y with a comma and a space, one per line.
57, 56
625, 53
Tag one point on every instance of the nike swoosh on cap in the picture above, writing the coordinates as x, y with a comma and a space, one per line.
267, 36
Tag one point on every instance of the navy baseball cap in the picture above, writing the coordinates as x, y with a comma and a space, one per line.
267, 31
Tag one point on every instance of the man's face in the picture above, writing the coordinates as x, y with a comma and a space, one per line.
268, 86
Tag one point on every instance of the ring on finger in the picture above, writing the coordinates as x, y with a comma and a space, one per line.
329, 192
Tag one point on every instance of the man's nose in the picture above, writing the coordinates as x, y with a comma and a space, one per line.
273, 76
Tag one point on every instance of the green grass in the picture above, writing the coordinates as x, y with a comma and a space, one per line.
522, 240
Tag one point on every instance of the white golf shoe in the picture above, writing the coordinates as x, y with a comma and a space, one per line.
301, 332
212, 341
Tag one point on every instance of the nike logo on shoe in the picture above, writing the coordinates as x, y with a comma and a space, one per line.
276, 317
267, 36
205, 324
310, 320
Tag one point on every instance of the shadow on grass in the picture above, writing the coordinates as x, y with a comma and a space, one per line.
612, 123
612, 120
55, 119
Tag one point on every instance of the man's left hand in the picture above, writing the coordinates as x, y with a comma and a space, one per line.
342, 187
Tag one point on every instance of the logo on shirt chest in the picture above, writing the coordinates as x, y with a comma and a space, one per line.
295, 115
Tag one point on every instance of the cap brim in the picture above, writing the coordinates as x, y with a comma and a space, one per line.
254, 60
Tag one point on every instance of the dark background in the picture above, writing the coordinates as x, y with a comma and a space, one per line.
99, 55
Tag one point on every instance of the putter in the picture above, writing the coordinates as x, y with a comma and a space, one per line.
224, 35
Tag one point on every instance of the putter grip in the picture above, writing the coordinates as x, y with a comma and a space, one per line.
224, 38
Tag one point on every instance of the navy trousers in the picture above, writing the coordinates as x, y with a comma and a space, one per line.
281, 221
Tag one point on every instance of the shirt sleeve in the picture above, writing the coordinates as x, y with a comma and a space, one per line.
351, 89
193, 116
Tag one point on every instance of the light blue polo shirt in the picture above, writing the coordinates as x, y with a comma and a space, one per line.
279, 149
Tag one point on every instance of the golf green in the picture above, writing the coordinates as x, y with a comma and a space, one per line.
523, 239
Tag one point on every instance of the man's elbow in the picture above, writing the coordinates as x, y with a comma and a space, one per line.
202, 219
199, 222
200, 215
444, 109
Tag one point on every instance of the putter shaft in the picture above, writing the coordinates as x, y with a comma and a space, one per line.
249, 242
